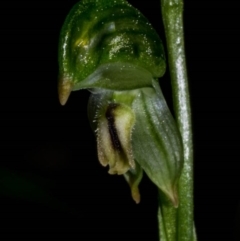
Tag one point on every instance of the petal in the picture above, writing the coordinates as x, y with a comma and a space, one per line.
109, 44
133, 178
114, 129
156, 142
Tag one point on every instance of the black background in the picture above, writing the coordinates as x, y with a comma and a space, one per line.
49, 148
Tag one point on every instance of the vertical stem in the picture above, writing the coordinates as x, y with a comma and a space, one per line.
172, 12
167, 218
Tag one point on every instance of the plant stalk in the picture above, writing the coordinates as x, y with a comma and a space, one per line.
178, 225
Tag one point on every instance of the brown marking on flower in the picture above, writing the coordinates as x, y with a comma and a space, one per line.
116, 144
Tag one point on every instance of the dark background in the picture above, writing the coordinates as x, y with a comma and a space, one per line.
50, 178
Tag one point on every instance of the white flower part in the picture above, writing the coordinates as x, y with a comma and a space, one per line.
114, 133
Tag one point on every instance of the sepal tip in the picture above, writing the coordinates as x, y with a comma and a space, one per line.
64, 90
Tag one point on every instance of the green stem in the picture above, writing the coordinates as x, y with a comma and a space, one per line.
183, 230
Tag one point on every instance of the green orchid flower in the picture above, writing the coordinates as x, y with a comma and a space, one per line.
110, 48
